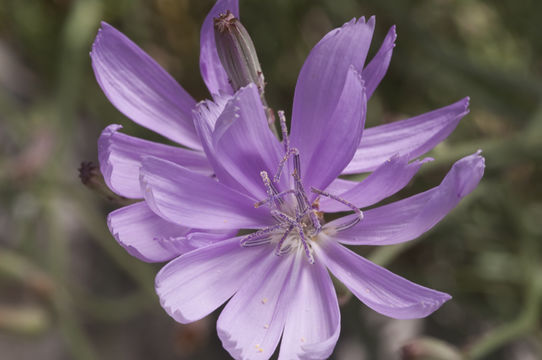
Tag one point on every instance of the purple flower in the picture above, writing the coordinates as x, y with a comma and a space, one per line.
276, 277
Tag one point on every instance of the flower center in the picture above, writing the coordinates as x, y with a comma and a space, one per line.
298, 222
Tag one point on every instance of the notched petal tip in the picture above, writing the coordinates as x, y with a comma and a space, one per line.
466, 103
393, 30
425, 307
440, 299
176, 314
172, 311
104, 27
231, 346
468, 172
351, 23
391, 38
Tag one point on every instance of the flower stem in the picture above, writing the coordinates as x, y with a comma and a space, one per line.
525, 323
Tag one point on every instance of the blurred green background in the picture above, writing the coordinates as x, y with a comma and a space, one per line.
68, 291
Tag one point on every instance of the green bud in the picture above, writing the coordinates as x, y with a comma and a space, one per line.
427, 348
24, 319
237, 53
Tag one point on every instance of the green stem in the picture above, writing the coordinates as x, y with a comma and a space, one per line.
71, 328
524, 324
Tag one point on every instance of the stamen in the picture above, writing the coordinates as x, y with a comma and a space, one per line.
348, 225
302, 201
279, 251
282, 216
286, 142
284, 250
279, 220
302, 198
256, 242
275, 197
299, 227
271, 190
284, 129
287, 155
261, 234
297, 163
305, 245
354, 208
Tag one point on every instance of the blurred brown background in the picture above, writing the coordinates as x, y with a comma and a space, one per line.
68, 291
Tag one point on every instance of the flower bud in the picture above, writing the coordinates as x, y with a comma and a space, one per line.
429, 349
237, 53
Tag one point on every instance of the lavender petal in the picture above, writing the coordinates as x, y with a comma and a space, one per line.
414, 136
187, 198
136, 228
141, 89
340, 186
378, 288
206, 115
386, 180
120, 160
320, 88
327, 147
407, 219
322, 77
313, 322
243, 143
377, 67
193, 285
251, 324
